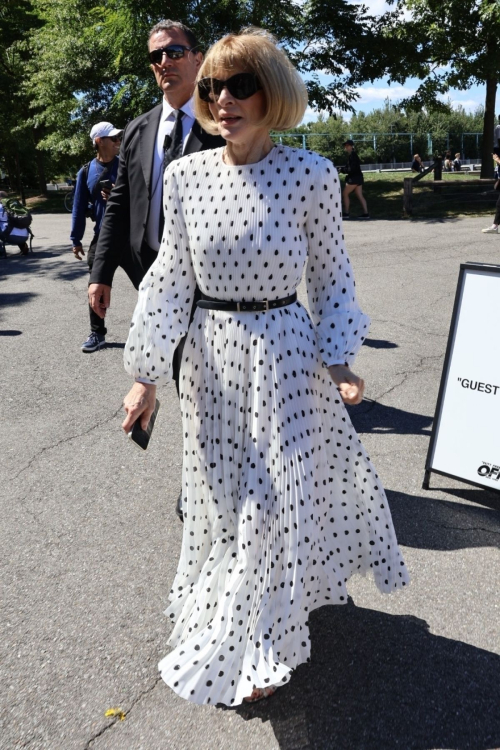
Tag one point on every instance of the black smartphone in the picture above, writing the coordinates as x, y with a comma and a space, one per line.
142, 437
105, 184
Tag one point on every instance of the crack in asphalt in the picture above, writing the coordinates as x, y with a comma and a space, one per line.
113, 721
415, 370
65, 440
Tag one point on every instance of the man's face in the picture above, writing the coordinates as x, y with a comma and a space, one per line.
175, 77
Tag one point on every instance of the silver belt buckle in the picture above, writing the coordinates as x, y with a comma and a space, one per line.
267, 304
238, 307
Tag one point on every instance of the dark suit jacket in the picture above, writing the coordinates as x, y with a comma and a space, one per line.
121, 239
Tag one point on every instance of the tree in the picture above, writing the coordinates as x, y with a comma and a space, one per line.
18, 136
88, 57
450, 44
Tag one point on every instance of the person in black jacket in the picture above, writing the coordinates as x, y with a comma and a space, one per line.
354, 181
493, 229
131, 231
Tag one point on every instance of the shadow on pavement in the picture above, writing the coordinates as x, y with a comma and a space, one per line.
427, 523
9, 299
10, 333
58, 268
480, 496
113, 345
380, 344
371, 416
378, 681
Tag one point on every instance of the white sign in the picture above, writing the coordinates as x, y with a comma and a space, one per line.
465, 443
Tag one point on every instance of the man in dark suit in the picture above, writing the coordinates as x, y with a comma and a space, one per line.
131, 231
132, 228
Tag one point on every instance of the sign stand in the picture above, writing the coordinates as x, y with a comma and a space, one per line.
465, 439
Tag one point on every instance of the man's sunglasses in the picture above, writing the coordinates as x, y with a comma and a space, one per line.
114, 138
241, 86
173, 51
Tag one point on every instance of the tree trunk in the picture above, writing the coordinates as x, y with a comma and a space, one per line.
42, 182
40, 167
487, 165
20, 186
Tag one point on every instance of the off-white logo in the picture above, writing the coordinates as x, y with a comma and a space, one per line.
491, 471
476, 385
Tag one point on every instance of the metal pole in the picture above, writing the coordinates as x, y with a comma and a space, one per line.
304, 141
411, 146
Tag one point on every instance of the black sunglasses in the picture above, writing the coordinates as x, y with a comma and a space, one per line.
173, 51
241, 86
114, 138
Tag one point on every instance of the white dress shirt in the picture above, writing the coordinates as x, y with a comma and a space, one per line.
166, 126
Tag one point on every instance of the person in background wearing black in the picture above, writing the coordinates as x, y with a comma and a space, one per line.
457, 164
354, 181
93, 184
417, 164
496, 221
496, 139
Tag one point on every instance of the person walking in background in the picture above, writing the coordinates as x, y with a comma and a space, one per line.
496, 139
493, 229
93, 184
417, 164
457, 163
354, 181
448, 163
281, 503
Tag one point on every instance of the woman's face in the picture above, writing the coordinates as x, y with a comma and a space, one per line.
238, 119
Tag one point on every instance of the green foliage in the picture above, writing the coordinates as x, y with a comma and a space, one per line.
383, 135
85, 60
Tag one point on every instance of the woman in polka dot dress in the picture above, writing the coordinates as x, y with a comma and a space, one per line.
281, 503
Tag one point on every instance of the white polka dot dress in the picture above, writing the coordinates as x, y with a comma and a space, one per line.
281, 503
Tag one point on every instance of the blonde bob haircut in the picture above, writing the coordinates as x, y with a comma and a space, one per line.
254, 51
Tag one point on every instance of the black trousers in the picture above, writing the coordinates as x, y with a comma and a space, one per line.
496, 220
96, 323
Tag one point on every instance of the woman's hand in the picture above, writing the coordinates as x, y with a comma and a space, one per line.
140, 400
351, 387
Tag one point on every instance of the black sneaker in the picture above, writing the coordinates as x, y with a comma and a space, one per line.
346, 216
364, 216
94, 342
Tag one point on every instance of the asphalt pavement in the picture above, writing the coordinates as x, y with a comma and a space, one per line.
90, 539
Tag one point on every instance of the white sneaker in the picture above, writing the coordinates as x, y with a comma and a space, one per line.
491, 230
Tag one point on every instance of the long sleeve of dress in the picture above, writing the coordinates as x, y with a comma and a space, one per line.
161, 316
341, 326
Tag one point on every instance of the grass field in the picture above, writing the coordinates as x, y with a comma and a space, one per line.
384, 195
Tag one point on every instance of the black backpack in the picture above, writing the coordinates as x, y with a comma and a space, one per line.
18, 216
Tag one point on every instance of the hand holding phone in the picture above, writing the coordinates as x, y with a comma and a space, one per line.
142, 437
105, 184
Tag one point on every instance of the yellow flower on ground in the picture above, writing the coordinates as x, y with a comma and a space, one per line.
115, 712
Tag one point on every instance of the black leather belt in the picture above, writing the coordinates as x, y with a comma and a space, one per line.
210, 303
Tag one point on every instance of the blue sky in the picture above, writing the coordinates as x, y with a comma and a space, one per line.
372, 96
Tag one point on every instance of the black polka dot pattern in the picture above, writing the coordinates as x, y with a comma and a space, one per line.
282, 505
